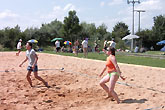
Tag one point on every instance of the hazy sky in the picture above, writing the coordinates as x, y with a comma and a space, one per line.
32, 13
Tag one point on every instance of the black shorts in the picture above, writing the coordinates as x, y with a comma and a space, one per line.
105, 47
58, 48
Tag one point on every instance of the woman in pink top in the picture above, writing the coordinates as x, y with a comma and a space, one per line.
113, 74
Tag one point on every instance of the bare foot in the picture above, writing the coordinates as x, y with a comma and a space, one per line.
46, 84
118, 102
110, 97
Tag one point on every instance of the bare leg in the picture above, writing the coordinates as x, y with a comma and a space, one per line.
18, 52
39, 78
29, 79
85, 52
76, 52
103, 85
113, 80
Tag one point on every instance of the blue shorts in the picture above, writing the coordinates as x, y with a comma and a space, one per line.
29, 68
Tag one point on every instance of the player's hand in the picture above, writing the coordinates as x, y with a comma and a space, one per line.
100, 74
33, 67
20, 65
123, 78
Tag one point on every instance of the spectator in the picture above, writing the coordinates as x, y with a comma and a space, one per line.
57, 44
105, 44
19, 46
136, 49
85, 47
113, 43
76, 44
152, 48
142, 50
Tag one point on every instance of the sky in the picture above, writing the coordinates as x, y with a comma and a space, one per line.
33, 13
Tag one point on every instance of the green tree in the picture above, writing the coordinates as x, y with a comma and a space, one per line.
71, 26
1, 37
159, 28
146, 38
88, 30
29, 32
102, 30
149, 38
55, 29
120, 30
11, 37
108, 36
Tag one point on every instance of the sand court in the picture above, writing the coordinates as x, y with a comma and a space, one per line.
77, 86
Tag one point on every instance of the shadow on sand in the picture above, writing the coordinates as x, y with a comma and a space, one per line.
42, 86
134, 101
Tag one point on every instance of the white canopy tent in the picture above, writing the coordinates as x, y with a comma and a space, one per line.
130, 37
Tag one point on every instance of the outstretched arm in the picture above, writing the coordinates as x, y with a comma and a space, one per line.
113, 59
23, 61
103, 71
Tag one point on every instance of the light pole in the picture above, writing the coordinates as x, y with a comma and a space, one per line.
133, 4
139, 11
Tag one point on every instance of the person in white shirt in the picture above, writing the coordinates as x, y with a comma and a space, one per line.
136, 50
57, 44
105, 44
32, 57
85, 47
113, 44
19, 46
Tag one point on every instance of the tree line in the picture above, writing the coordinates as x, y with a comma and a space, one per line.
71, 29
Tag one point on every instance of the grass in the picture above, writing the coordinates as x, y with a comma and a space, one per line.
155, 52
137, 60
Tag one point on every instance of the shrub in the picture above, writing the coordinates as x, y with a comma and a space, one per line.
1, 48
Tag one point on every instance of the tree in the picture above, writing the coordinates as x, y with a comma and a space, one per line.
71, 26
108, 36
149, 38
29, 32
11, 37
146, 38
1, 37
102, 30
88, 30
159, 28
47, 32
55, 29
120, 30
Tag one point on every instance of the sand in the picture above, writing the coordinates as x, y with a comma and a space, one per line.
77, 87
